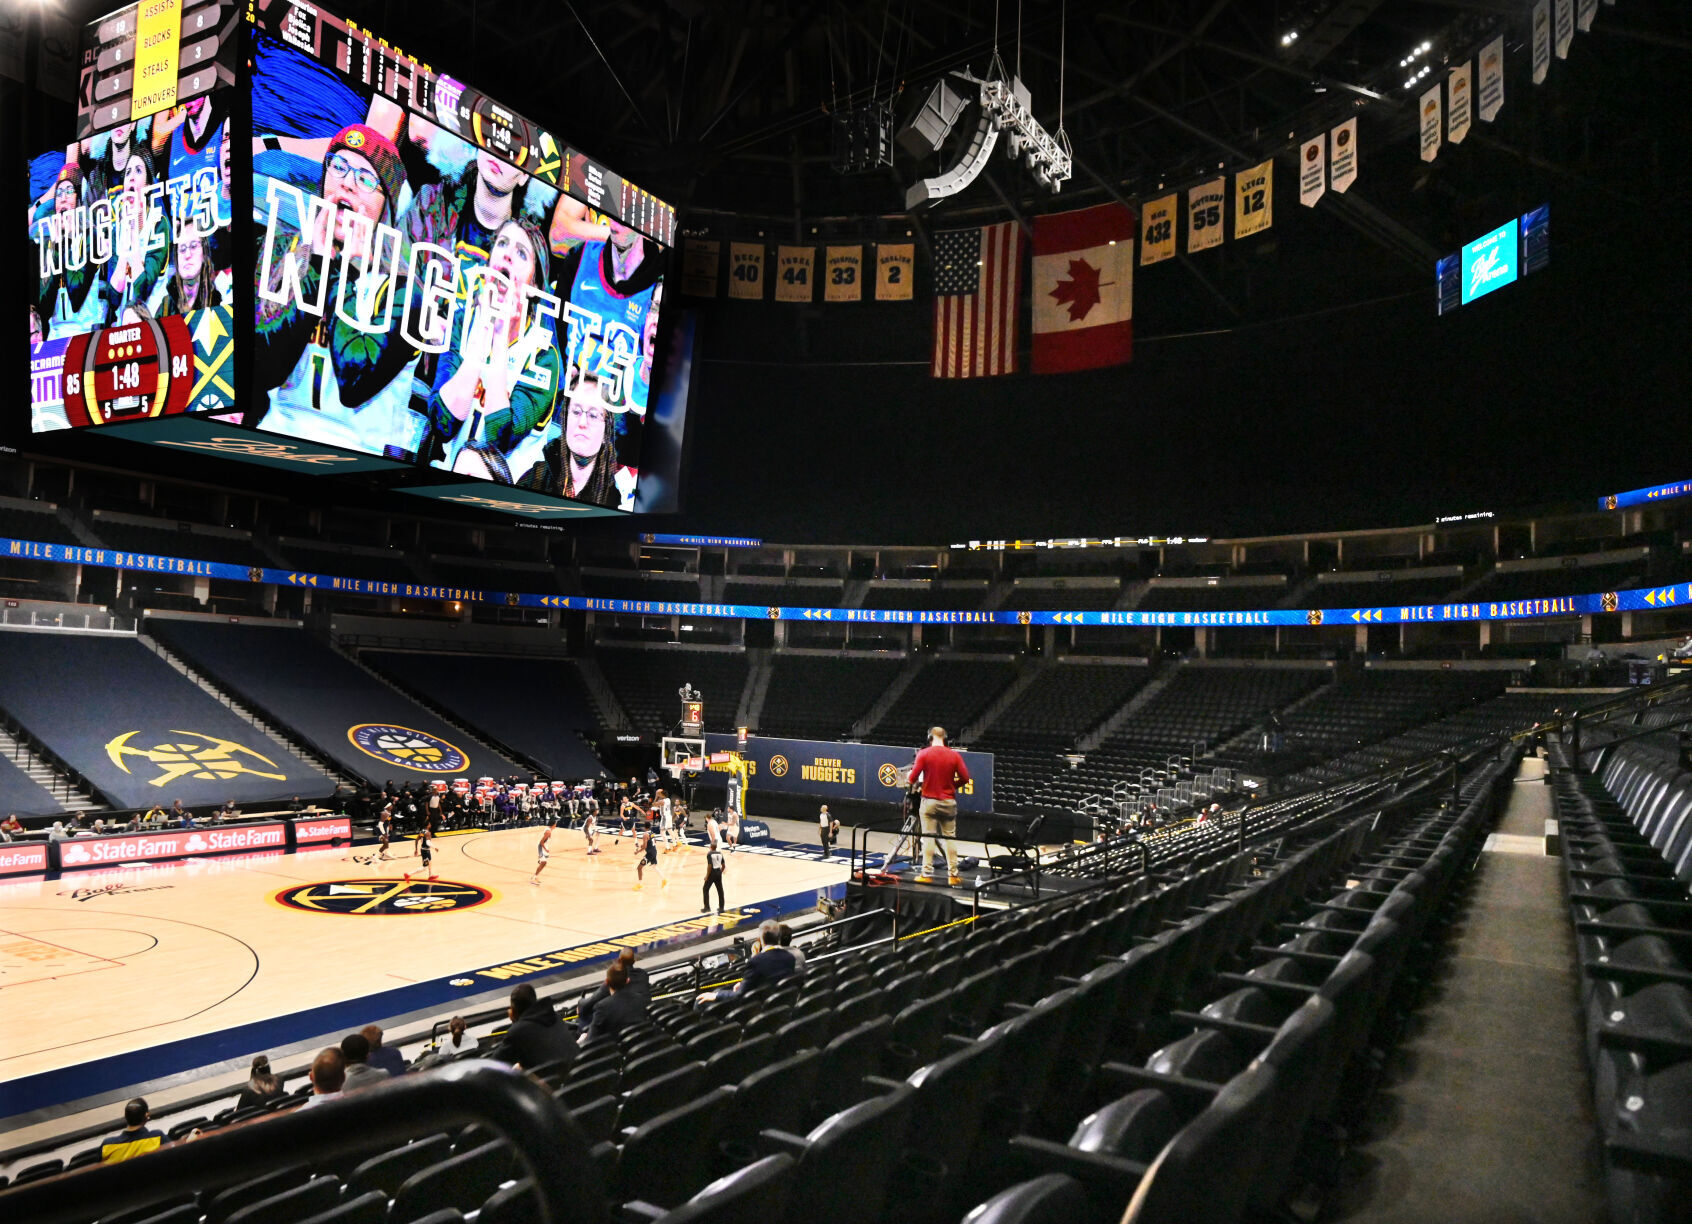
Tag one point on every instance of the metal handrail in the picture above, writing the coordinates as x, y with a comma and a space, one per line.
545, 1137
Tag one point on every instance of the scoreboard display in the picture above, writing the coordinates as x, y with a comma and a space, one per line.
370, 62
424, 277
185, 51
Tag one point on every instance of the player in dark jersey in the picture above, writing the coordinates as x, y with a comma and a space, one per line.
426, 850
384, 831
647, 849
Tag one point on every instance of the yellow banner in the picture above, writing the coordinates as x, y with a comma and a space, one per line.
700, 258
1157, 230
1204, 215
1254, 199
895, 269
795, 268
746, 270
158, 43
843, 274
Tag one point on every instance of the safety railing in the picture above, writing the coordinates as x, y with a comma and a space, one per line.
546, 1139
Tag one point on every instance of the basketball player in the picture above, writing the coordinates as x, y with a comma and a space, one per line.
424, 832
714, 829
647, 848
666, 819
733, 830
385, 831
625, 814
541, 856
427, 851
590, 830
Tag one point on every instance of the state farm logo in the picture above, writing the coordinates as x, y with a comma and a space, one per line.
321, 830
168, 845
23, 858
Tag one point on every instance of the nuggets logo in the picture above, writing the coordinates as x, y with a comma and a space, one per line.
1610, 502
1025, 618
194, 755
778, 765
1611, 601
888, 775
408, 748
383, 898
773, 613
1314, 616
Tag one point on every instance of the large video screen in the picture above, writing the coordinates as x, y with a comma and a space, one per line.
130, 314
422, 292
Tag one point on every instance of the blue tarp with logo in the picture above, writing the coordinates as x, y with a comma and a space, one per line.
138, 729
875, 772
343, 711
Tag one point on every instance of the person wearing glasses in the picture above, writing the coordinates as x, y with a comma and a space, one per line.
499, 383
580, 461
328, 381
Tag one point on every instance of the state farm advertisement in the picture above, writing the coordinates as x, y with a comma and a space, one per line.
17, 860
334, 828
85, 852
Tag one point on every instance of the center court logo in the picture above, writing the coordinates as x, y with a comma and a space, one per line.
193, 755
383, 898
408, 748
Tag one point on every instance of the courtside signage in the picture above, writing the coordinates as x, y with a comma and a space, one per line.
338, 829
1639, 599
82, 852
20, 860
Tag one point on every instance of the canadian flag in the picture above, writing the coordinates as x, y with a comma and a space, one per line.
1083, 289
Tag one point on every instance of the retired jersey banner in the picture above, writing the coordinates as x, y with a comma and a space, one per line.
843, 274
1458, 103
1429, 109
895, 270
1583, 19
1490, 88
1564, 33
1254, 199
1204, 215
1157, 230
1540, 33
700, 257
1083, 278
746, 270
795, 269
1312, 171
1342, 169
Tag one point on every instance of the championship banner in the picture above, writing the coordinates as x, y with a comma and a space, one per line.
1430, 113
746, 271
1458, 103
1254, 199
1565, 28
1342, 173
794, 268
700, 257
831, 770
1157, 230
843, 274
1541, 35
1204, 215
1083, 295
1312, 171
1583, 19
895, 270
1491, 85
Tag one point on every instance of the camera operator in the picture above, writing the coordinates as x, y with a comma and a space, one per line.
941, 771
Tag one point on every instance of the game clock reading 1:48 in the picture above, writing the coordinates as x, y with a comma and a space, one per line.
134, 372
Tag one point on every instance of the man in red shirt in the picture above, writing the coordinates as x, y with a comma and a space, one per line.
941, 771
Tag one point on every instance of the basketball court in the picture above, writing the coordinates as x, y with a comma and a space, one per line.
147, 971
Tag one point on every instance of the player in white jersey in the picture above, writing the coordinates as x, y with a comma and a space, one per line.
590, 831
542, 855
665, 811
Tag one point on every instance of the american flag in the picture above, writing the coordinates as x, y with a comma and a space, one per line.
977, 288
